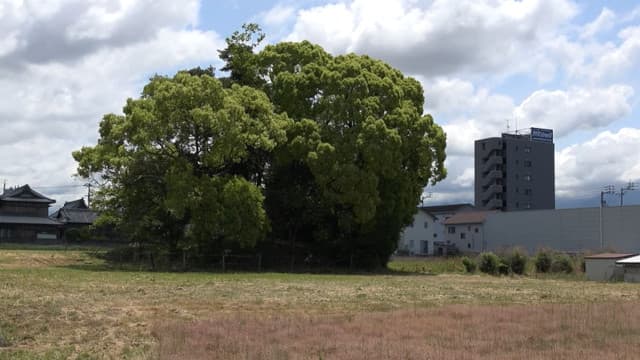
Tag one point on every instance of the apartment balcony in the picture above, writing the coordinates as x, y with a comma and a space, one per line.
491, 190
489, 178
491, 163
492, 204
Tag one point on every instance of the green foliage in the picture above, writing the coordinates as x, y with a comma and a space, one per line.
562, 263
517, 261
184, 165
470, 265
543, 261
330, 153
489, 263
357, 156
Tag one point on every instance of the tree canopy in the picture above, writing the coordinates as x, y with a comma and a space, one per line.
310, 152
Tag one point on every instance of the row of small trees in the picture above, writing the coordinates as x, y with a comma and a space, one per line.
516, 261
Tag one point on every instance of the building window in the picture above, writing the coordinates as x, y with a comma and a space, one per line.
435, 235
517, 176
463, 235
476, 230
469, 245
411, 244
527, 191
528, 205
517, 190
517, 204
426, 224
527, 149
527, 163
517, 162
516, 147
484, 146
452, 230
527, 178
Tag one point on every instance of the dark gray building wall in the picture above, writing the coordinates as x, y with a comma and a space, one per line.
571, 230
514, 172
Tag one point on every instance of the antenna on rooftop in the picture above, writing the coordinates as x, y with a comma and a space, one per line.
4, 185
508, 127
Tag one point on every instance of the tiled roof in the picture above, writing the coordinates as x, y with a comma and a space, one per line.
25, 194
75, 204
445, 208
75, 216
609, 256
468, 217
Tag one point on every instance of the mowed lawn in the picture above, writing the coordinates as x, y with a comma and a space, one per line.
67, 304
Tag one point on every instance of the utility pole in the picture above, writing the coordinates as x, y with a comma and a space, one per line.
630, 187
609, 189
88, 185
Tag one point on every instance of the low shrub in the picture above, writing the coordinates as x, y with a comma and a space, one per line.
488, 263
503, 268
562, 263
518, 262
470, 265
543, 261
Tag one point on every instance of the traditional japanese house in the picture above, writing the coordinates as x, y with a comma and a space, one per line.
24, 217
75, 214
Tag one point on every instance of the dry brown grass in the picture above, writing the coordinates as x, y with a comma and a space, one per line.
552, 331
64, 304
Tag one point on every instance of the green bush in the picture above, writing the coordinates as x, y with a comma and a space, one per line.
488, 263
562, 263
470, 265
503, 268
518, 262
543, 261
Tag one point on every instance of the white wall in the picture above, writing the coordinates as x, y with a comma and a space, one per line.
414, 237
466, 237
565, 229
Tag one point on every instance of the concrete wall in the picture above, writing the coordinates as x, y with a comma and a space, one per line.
419, 237
603, 270
565, 229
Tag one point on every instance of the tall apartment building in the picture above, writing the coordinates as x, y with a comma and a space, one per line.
515, 171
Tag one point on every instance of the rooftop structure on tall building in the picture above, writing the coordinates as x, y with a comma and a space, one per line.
515, 171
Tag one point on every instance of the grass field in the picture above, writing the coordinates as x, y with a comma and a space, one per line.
67, 304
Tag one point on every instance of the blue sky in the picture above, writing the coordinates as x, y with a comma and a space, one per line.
567, 65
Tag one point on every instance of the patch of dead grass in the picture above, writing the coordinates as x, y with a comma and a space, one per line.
551, 331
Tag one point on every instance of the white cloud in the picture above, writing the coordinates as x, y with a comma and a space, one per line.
278, 15
608, 158
603, 22
439, 37
575, 109
52, 104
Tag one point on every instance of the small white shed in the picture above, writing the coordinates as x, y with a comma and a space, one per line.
602, 267
630, 268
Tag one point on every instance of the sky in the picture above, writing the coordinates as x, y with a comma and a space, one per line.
486, 66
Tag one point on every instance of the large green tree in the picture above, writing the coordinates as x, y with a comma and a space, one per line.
184, 164
357, 155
